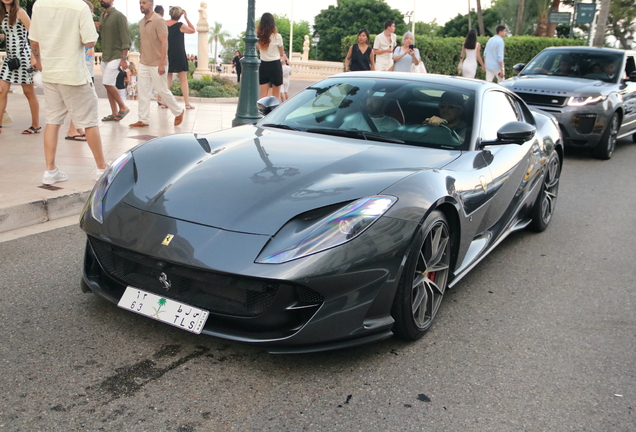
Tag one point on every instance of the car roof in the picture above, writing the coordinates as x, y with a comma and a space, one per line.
590, 49
460, 82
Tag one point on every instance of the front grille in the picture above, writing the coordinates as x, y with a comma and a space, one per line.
216, 292
542, 99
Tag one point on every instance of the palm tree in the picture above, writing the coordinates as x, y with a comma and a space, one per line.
480, 19
217, 35
519, 17
162, 302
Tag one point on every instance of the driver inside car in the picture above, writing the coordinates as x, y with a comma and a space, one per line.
374, 107
451, 107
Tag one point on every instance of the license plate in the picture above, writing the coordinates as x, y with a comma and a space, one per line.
163, 309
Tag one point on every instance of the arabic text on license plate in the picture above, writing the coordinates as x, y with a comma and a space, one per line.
163, 309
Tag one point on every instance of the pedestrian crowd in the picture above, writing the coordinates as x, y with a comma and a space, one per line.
67, 67
61, 59
386, 55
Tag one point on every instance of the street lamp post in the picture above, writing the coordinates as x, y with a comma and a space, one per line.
246, 111
316, 40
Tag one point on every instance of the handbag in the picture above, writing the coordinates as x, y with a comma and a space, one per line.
418, 68
460, 66
13, 63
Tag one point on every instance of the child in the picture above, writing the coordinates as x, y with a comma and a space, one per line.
287, 71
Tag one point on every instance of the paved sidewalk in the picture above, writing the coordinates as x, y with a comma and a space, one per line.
24, 201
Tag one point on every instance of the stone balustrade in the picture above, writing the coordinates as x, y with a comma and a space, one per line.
300, 69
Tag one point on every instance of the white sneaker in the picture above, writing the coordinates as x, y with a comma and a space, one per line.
98, 174
54, 177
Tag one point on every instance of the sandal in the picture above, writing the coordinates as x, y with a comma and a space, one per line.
31, 130
109, 117
121, 114
80, 137
189, 106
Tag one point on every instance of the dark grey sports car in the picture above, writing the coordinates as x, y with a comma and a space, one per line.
340, 218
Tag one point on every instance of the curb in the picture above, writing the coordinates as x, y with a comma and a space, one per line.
36, 212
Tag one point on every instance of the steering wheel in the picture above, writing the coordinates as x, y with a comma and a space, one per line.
440, 135
452, 133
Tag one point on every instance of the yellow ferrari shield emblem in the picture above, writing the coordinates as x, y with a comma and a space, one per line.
167, 240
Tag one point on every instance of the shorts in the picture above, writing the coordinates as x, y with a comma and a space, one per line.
80, 102
285, 88
270, 72
110, 70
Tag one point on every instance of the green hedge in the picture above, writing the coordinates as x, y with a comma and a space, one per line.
441, 55
208, 86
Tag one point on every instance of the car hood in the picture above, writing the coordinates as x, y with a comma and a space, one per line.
551, 85
254, 180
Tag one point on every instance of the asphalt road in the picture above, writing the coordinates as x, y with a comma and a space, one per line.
541, 336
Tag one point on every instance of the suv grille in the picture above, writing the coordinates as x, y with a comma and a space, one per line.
215, 292
543, 100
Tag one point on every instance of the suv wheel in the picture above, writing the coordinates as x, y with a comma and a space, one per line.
607, 144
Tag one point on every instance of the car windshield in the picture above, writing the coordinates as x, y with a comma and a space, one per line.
380, 109
593, 65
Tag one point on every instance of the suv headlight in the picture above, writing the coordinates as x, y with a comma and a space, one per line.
333, 230
585, 100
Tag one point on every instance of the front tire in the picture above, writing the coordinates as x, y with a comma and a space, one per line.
544, 206
606, 146
424, 279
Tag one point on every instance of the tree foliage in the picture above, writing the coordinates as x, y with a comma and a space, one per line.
301, 28
135, 39
217, 34
622, 20
344, 19
427, 29
458, 26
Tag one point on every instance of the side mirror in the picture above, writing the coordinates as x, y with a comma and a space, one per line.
518, 68
267, 104
512, 133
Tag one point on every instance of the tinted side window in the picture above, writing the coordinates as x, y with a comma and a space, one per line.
497, 111
630, 66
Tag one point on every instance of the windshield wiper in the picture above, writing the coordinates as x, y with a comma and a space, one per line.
355, 134
280, 126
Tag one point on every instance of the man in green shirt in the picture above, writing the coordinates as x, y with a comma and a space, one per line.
115, 38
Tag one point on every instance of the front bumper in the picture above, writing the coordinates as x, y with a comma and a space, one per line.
334, 299
580, 126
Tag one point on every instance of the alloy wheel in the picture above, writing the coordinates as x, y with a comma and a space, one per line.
550, 190
431, 275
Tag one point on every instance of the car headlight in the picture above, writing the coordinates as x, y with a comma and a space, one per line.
104, 182
585, 100
337, 228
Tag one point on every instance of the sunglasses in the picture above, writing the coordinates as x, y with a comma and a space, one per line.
448, 106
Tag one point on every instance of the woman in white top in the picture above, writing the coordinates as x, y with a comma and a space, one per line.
406, 55
471, 54
270, 45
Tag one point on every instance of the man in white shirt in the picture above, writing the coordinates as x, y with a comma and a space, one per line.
383, 47
68, 88
375, 108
